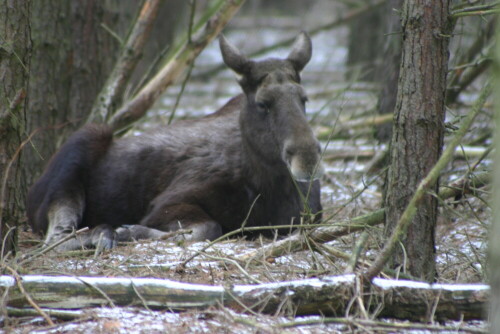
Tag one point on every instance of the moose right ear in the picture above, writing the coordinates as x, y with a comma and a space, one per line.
232, 56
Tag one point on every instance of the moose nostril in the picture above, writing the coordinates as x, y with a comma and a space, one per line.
290, 151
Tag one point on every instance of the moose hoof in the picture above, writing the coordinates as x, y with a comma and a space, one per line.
103, 237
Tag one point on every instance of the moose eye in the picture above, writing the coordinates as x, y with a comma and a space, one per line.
262, 107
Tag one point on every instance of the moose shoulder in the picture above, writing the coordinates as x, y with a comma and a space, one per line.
255, 160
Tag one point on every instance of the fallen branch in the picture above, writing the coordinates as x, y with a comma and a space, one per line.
329, 295
297, 242
367, 325
184, 56
59, 314
343, 126
467, 184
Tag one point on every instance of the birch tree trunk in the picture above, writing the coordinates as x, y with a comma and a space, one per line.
14, 70
417, 137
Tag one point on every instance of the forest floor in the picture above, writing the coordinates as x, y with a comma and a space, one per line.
348, 191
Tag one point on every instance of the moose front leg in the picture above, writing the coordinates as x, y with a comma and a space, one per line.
64, 217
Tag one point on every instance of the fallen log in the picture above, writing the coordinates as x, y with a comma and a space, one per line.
328, 295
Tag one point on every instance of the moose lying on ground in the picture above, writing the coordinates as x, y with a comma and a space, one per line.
255, 162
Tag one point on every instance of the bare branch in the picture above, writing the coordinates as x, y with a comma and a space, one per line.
112, 92
183, 57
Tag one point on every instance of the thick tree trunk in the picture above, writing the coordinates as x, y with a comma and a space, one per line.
417, 137
72, 55
14, 70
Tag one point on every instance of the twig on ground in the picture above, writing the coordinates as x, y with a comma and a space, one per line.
236, 264
358, 247
380, 324
54, 245
59, 314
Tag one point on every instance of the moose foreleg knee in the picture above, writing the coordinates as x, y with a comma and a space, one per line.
64, 217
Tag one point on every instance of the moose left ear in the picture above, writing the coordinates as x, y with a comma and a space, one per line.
232, 56
301, 51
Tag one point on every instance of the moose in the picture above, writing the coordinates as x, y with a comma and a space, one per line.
255, 161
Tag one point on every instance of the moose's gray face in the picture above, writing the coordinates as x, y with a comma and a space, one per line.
274, 123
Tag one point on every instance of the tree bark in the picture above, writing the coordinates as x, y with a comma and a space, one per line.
72, 55
15, 48
328, 295
417, 137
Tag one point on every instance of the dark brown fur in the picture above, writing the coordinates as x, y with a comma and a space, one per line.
209, 175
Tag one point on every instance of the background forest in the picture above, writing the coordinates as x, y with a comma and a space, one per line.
399, 92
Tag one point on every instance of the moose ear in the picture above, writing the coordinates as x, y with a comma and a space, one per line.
301, 51
232, 56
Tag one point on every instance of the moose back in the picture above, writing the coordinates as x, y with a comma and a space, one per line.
254, 161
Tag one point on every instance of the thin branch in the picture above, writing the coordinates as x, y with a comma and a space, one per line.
476, 10
178, 98
358, 248
112, 92
47, 249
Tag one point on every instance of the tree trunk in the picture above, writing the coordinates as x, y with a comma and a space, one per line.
494, 245
417, 137
72, 55
15, 47
364, 44
387, 72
